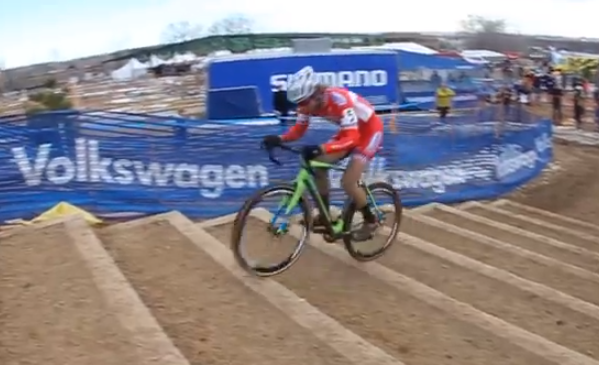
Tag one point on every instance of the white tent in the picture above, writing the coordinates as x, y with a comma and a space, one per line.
216, 54
267, 50
173, 59
181, 58
130, 70
483, 53
219, 53
402, 46
155, 61
189, 57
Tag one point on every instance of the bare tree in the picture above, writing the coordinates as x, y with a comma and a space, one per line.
181, 32
488, 33
479, 24
236, 24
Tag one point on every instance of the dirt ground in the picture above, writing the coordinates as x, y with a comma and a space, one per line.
50, 310
545, 110
571, 186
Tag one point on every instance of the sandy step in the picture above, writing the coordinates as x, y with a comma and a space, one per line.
52, 312
495, 248
535, 242
210, 315
551, 230
549, 217
402, 325
536, 308
462, 311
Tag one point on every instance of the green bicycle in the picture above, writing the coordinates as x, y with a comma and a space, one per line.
293, 196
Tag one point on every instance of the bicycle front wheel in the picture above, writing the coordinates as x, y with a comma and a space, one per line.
271, 224
389, 214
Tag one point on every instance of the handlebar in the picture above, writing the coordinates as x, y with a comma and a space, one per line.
271, 155
296, 150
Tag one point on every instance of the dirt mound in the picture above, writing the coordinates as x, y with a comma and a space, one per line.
570, 186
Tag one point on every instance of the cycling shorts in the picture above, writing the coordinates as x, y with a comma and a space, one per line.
367, 147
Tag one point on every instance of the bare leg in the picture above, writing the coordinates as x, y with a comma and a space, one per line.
322, 178
353, 173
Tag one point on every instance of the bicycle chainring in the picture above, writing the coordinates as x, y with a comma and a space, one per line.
328, 238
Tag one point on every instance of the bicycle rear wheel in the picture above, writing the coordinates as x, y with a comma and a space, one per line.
276, 228
393, 209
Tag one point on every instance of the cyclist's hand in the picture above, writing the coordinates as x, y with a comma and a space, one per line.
311, 152
271, 141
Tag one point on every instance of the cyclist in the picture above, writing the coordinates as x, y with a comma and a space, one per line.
360, 136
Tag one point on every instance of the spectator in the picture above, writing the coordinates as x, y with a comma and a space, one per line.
537, 80
435, 79
503, 101
505, 96
280, 104
575, 81
596, 99
578, 105
522, 90
444, 96
528, 79
556, 93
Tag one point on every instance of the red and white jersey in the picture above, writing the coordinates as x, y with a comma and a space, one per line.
354, 115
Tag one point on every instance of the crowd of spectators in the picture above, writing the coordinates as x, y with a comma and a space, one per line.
546, 84
518, 87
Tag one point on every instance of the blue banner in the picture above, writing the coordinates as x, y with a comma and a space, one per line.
372, 74
112, 163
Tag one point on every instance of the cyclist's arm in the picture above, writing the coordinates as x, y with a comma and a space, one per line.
348, 136
298, 130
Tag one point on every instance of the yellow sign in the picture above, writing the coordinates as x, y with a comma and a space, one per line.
60, 210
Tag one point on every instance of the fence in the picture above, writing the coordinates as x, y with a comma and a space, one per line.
118, 162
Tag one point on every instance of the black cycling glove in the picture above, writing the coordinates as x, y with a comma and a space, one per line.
311, 152
271, 141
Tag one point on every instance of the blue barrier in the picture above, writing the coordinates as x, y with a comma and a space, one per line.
232, 103
205, 169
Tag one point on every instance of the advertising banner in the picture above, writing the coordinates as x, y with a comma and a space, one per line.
206, 171
372, 74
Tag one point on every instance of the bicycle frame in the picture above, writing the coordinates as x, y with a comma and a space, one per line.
305, 181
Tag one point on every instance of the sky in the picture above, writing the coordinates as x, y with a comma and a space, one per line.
33, 31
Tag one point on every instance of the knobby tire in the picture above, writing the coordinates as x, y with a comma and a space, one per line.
350, 211
241, 219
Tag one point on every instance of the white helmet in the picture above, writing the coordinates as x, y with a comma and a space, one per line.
301, 85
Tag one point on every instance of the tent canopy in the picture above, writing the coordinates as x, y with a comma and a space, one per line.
155, 61
484, 53
408, 47
132, 69
413, 61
